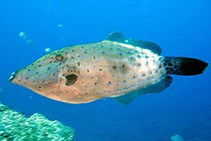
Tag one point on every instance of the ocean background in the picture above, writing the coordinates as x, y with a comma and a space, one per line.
180, 27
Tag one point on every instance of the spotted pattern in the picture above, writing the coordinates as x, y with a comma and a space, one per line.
88, 72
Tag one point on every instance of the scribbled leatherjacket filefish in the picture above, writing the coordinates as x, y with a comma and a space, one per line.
114, 68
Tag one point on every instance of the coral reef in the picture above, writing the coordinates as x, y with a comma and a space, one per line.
16, 126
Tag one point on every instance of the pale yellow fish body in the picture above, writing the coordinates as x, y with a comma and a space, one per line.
84, 73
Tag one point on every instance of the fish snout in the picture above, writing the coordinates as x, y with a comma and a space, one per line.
12, 77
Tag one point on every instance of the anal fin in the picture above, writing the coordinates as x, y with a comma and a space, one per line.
155, 88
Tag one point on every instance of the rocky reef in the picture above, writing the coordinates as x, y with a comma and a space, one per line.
16, 126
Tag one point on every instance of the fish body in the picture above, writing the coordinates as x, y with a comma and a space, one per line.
111, 68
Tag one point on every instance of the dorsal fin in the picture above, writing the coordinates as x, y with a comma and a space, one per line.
116, 36
155, 88
119, 37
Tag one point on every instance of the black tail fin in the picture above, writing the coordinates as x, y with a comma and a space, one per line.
184, 66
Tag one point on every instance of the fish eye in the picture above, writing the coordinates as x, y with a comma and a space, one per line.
59, 57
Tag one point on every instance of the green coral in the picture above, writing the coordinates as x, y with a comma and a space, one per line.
15, 126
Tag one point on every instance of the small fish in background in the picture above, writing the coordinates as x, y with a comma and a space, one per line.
113, 68
60, 26
47, 5
177, 138
22, 35
30, 42
47, 50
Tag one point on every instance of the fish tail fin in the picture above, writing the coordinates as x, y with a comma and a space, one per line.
184, 66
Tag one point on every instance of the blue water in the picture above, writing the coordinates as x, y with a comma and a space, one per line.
181, 28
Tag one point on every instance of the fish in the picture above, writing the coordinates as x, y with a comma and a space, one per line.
114, 67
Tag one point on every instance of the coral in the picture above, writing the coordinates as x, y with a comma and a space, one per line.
16, 126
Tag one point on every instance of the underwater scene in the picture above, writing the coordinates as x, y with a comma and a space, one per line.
105, 70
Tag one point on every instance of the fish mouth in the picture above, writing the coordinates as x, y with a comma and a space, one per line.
12, 77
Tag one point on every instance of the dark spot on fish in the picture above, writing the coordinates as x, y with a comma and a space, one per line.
176, 66
71, 79
86, 93
28, 69
102, 46
143, 74
95, 83
124, 69
73, 50
160, 66
48, 68
131, 58
40, 87
134, 76
100, 69
171, 69
114, 67
39, 65
58, 86
170, 64
94, 57
32, 64
146, 57
51, 57
36, 72
78, 55
72, 57
87, 70
78, 63
123, 65
27, 78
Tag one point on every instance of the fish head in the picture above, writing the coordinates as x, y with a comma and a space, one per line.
49, 75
